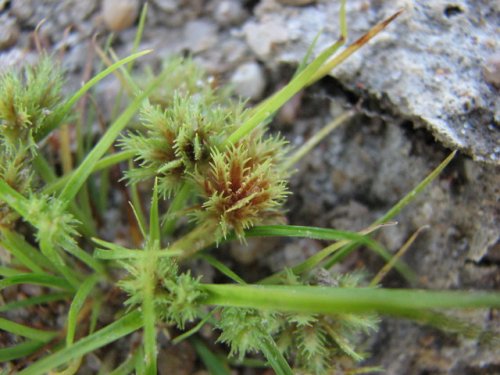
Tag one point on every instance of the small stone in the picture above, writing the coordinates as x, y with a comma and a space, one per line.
249, 81
491, 69
229, 12
9, 32
264, 36
119, 14
22, 9
167, 5
200, 35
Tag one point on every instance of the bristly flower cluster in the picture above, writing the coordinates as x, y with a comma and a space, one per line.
14, 170
314, 342
183, 141
243, 187
177, 139
177, 294
53, 223
30, 101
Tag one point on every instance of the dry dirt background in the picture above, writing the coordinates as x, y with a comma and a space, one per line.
428, 84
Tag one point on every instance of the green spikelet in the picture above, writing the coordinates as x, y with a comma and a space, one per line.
30, 100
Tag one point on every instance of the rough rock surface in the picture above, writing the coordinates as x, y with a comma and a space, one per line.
429, 64
430, 75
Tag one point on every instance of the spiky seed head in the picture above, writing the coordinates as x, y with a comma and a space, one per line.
14, 170
48, 215
177, 140
241, 189
30, 100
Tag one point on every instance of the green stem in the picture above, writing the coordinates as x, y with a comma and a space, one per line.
198, 239
329, 300
104, 163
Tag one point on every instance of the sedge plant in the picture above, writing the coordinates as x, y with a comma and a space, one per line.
203, 170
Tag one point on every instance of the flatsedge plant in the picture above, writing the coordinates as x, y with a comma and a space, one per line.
210, 156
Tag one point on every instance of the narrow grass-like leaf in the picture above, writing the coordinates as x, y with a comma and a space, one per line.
71, 368
24, 252
275, 357
316, 233
105, 162
316, 138
85, 257
14, 199
138, 214
324, 234
390, 264
76, 305
87, 86
44, 298
329, 300
8, 271
341, 57
222, 268
271, 105
81, 174
127, 367
208, 317
48, 249
122, 327
148, 313
44, 169
416, 191
21, 257
36, 279
213, 363
407, 199
179, 201
154, 217
25, 331
118, 254
18, 351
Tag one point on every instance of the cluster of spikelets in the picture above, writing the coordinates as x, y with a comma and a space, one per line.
31, 102
182, 141
177, 295
316, 343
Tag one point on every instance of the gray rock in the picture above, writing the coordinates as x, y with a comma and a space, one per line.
200, 35
249, 81
229, 12
9, 31
491, 69
428, 64
264, 37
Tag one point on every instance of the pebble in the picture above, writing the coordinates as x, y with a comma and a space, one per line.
249, 80
229, 12
200, 35
9, 32
491, 69
119, 14
167, 5
22, 9
263, 37
296, 2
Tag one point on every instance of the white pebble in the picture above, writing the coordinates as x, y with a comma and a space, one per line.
119, 14
249, 81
